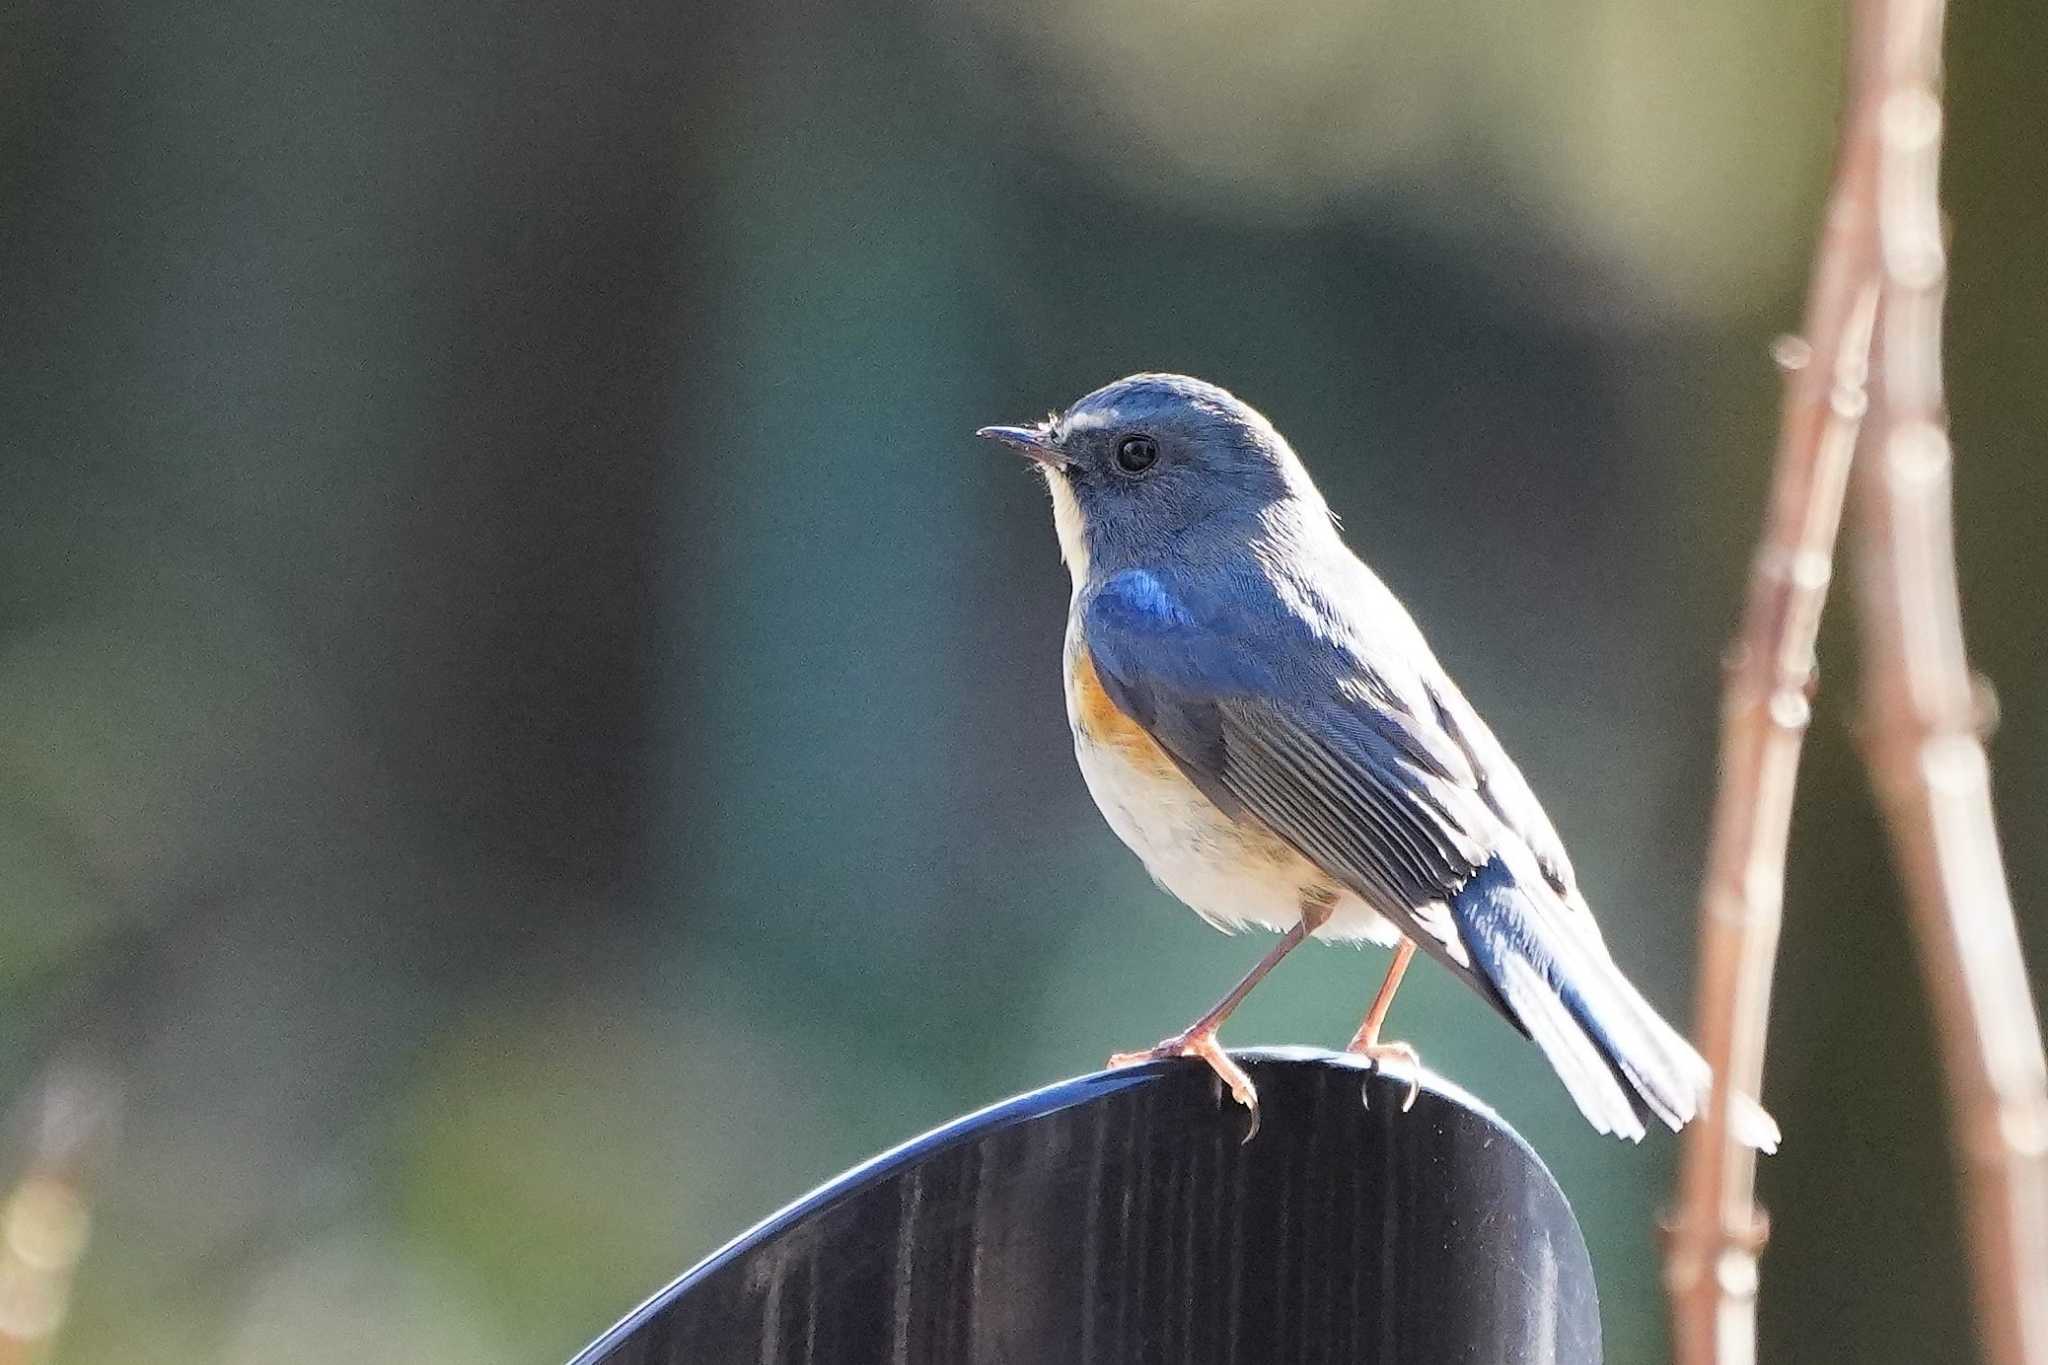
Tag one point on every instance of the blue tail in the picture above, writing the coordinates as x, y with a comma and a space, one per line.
1551, 974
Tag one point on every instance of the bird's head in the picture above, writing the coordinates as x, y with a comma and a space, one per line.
1158, 463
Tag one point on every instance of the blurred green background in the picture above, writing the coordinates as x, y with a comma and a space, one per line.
530, 732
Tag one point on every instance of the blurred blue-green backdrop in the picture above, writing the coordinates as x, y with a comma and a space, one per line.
530, 732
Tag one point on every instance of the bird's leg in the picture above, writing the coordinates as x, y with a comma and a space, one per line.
1366, 1042
1199, 1038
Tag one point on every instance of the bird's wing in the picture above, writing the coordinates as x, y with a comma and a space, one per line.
1263, 714
1382, 642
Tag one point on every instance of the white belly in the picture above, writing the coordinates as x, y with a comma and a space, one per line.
1230, 873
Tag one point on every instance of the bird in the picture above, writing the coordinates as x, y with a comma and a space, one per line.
1260, 720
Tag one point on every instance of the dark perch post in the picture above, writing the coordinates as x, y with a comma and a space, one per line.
1118, 1218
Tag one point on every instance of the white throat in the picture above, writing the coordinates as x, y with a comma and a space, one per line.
1066, 521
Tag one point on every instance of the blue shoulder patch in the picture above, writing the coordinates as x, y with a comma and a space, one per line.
1136, 599
1152, 641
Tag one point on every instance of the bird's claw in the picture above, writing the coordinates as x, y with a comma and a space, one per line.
1380, 1053
1201, 1043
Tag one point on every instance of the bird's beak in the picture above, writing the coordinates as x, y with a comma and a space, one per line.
1028, 441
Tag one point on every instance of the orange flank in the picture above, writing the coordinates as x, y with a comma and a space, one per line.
1103, 723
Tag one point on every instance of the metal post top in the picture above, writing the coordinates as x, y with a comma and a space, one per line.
1120, 1216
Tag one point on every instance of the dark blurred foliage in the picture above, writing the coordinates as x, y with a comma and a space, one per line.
530, 733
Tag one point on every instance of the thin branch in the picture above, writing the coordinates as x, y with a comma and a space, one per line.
1717, 1232
1922, 721
44, 1218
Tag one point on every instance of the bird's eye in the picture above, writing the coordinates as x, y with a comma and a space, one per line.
1137, 454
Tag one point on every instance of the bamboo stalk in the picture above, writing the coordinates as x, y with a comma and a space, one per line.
1717, 1232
